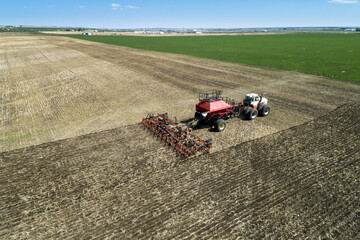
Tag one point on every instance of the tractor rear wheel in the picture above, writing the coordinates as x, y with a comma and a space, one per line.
252, 114
264, 111
260, 107
220, 125
247, 111
236, 111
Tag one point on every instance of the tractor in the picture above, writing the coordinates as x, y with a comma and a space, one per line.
215, 109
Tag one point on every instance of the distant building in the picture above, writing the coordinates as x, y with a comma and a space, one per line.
350, 30
149, 32
86, 33
198, 32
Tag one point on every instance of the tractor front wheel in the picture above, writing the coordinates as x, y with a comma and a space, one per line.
264, 111
220, 125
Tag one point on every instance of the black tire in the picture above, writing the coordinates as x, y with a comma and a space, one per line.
264, 111
220, 125
247, 111
252, 114
236, 111
260, 107
199, 116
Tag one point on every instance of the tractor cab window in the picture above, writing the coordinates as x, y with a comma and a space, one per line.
248, 99
256, 98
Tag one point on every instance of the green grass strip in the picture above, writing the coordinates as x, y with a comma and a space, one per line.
334, 56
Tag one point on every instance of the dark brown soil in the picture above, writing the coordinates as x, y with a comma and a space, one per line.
291, 175
299, 183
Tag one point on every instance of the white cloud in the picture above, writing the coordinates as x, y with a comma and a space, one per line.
344, 1
82, 6
132, 7
115, 6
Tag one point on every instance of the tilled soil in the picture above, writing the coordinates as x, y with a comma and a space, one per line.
56, 87
300, 183
292, 174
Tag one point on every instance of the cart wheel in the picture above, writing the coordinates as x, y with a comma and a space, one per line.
220, 125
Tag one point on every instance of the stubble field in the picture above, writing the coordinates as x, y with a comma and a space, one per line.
97, 174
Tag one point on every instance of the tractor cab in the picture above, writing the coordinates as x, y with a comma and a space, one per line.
253, 99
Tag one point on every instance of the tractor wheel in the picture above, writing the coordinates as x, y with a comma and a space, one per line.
247, 111
220, 125
252, 114
260, 107
236, 111
264, 111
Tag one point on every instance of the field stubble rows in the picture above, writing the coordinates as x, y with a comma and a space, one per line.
300, 182
276, 177
55, 88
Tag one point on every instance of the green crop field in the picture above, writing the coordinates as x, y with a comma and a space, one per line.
330, 55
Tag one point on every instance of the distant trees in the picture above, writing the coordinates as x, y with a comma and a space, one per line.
358, 29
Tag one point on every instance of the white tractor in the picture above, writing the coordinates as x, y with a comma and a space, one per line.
255, 105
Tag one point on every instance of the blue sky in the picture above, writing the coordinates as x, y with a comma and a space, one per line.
180, 13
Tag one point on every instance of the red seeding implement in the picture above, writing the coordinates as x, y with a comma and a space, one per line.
177, 137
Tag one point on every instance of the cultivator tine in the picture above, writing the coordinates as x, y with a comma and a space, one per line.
178, 138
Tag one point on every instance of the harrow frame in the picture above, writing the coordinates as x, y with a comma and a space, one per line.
177, 137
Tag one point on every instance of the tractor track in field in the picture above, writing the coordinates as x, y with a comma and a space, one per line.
301, 182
